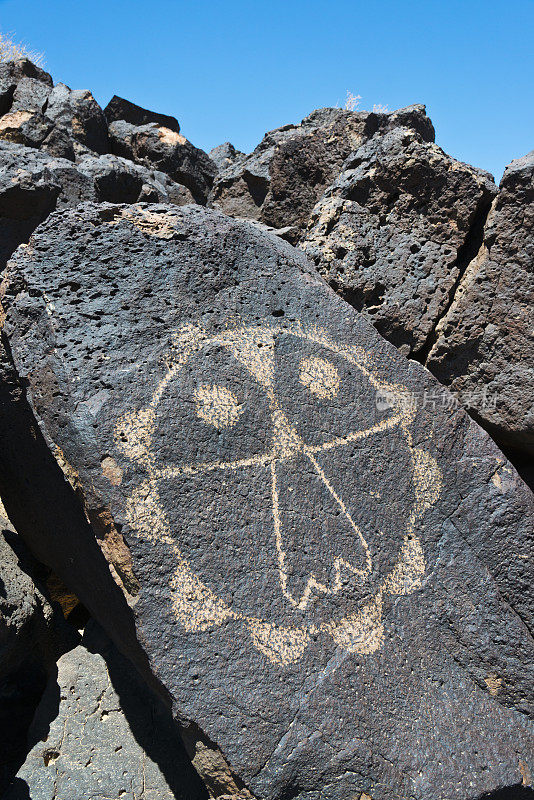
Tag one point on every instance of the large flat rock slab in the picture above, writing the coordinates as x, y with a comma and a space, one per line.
324, 562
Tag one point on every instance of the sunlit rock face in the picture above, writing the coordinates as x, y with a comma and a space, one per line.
284, 525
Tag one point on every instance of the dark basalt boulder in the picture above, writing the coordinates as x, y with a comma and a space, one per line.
78, 115
99, 732
30, 640
119, 108
484, 348
28, 193
167, 151
58, 143
224, 155
268, 508
33, 183
31, 94
280, 182
396, 230
25, 127
117, 180
23, 86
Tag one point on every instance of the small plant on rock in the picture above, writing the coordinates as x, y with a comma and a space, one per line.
11, 50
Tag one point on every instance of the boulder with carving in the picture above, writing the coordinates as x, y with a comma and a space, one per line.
274, 514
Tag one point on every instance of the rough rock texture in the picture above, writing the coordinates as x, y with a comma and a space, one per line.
25, 614
484, 346
74, 164
224, 155
28, 647
280, 182
327, 571
23, 85
77, 113
160, 148
28, 194
117, 180
119, 108
395, 232
99, 733
34, 183
25, 127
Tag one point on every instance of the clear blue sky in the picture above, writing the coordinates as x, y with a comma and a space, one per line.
232, 70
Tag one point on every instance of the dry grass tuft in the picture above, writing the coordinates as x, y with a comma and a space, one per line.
353, 101
11, 50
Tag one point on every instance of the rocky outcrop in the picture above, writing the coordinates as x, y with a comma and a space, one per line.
115, 179
27, 194
23, 86
78, 115
167, 151
280, 182
483, 347
224, 155
34, 183
99, 732
395, 232
30, 640
55, 152
283, 524
119, 108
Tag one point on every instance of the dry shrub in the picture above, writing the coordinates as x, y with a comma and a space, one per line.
11, 50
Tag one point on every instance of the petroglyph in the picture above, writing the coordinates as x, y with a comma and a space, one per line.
198, 607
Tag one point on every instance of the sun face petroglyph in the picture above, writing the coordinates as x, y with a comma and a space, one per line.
273, 532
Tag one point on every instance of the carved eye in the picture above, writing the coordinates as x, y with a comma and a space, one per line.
320, 377
217, 405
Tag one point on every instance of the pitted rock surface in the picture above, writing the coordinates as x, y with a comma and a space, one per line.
282, 179
99, 734
166, 150
330, 573
394, 233
33, 183
484, 346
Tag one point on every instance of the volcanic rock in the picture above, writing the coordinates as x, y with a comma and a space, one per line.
117, 180
326, 566
23, 86
25, 127
34, 183
78, 115
395, 232
224, 155
99, 732
165, 150
25, 614
59, 143
28, 194
118, 108
31, 94
28, 647
280, 182
484, 347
